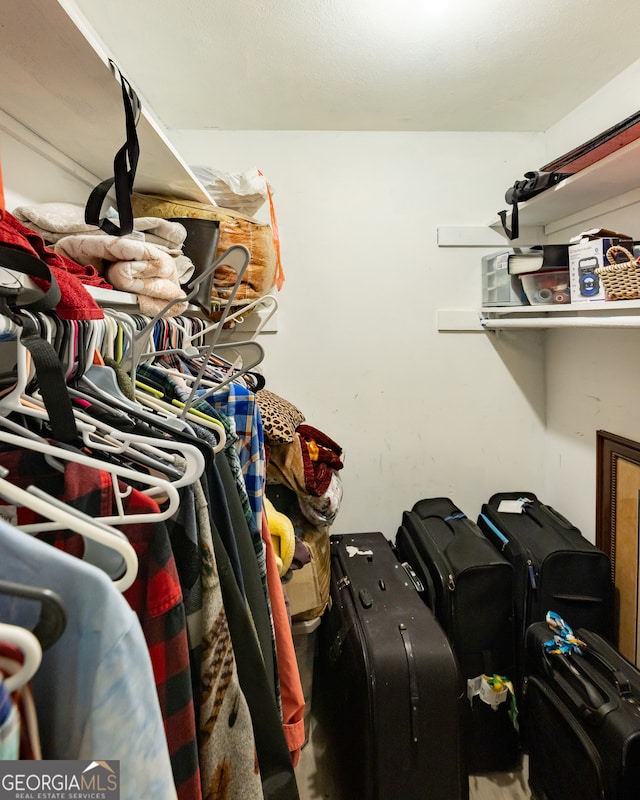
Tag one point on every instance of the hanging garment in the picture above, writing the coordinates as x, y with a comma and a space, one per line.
11, 659
9, 726
276, 768
227, 747
95, 690
228, 517
155, 595
290, 684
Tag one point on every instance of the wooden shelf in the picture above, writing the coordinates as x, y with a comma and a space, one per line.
59, 89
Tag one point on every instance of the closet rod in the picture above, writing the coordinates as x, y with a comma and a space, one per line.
562, 322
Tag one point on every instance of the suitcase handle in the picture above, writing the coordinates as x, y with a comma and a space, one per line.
618, 678
558, 517
413, 577
414, 695
595, 708
538, 514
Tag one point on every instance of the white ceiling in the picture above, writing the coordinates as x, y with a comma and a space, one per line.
413, 65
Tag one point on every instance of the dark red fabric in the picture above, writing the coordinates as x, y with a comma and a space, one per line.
75, 302
318, 470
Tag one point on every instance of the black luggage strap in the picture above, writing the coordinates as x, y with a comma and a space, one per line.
51, 381
414, 693
45, 359
125, 164
514, 231
20, 261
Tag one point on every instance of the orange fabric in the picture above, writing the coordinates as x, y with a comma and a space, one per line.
276, 238
290, 684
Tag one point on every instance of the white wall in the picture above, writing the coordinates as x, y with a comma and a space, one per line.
593, 382
592, 376
418, 413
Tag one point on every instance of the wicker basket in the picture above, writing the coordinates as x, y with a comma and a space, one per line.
621, 280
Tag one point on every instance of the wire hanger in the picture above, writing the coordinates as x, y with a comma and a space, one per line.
28, 644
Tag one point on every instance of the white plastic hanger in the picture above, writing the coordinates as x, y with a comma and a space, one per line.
155, 485
148, 451
67, 518
28, 644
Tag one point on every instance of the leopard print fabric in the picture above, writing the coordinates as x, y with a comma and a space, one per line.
280, 418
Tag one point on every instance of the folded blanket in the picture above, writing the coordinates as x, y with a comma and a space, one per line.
55, 221
131, 265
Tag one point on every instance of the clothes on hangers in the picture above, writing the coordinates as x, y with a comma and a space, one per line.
225, 734
204, 681
155, 595
237, 404
95, 690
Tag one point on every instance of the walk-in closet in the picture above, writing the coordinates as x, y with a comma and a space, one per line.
250, 342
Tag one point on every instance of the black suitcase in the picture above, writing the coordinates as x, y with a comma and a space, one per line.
555, 567
582, 720
389, 691
469, 586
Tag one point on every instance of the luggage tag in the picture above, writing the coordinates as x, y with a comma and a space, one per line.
494, 690
513, 506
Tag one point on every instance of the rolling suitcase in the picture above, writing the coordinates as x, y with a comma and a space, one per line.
582, 720
555, 567
389, 692
470, 589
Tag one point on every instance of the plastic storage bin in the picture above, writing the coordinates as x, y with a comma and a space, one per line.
547, 288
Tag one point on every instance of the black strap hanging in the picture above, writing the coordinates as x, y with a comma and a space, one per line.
125, 164
514, 232
45, 359
19, 261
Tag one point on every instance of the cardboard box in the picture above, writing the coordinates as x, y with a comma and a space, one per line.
587, 251
303, 590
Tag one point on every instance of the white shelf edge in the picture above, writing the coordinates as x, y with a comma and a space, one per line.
126, 301
598, 314
617, 307
563, 322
